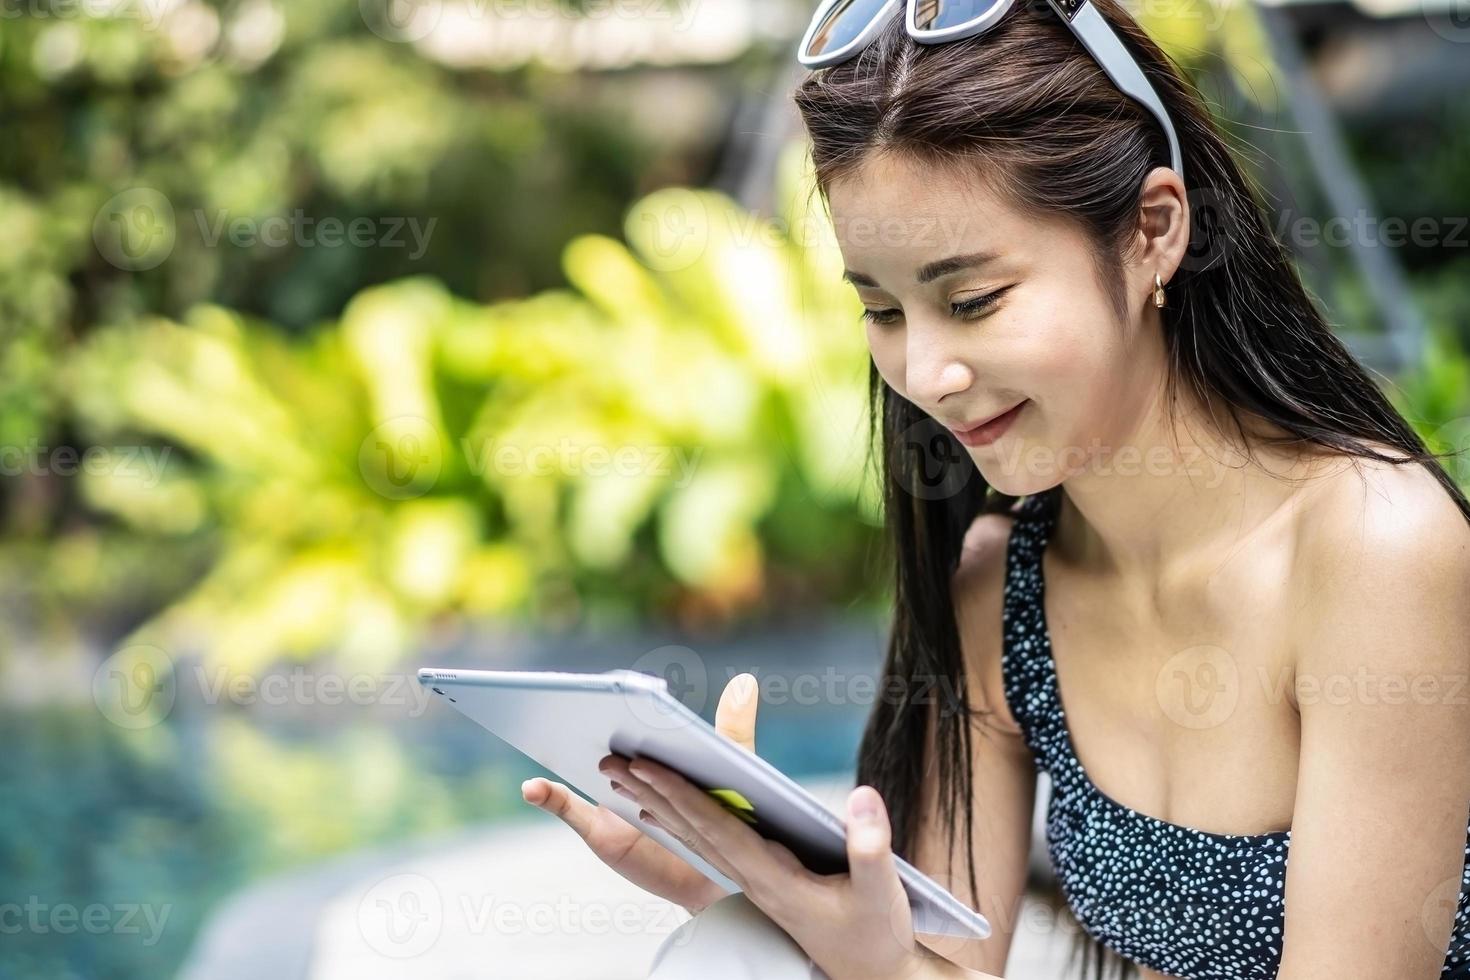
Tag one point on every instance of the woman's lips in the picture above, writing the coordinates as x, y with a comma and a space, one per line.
984, 435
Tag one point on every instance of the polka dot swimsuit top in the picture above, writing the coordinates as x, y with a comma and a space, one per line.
1184, 902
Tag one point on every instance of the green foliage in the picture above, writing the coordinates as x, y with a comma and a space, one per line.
232, 114
288, 455
427, 455
1435, 398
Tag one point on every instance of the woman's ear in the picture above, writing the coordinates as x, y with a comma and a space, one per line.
1163, 229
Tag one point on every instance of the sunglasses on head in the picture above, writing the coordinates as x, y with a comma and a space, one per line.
842, 28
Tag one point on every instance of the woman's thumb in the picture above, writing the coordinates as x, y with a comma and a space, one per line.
735, 714
869, 853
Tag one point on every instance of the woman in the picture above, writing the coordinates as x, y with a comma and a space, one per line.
1255, 576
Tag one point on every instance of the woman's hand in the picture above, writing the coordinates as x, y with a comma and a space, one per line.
855, 926
625, 848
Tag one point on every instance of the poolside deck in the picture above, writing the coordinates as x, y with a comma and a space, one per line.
525, 901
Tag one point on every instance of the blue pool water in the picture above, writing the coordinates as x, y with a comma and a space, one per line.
117, 842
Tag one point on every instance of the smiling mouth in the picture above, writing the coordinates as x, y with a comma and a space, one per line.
987, 432
972, 428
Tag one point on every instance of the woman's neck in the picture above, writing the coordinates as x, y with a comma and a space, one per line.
1147, 508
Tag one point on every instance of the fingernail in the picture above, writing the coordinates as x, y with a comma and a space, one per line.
863, 804
640, 770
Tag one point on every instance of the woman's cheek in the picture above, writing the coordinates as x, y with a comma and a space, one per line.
1033, 454
887, 359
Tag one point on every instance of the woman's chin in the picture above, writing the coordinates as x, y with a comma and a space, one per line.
1006, 473
1009, 483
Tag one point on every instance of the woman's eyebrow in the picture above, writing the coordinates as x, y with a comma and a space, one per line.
930, 272
954, 263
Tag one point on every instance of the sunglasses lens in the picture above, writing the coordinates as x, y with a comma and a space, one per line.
942, 15
843, 23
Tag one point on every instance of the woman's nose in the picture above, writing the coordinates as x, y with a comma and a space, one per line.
931, 378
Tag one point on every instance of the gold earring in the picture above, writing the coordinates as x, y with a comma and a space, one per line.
1160, 300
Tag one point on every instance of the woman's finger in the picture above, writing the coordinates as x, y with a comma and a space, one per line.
682, 834
875, 883
632, 854
615, 768
666, 817
596, 827
678, 829
735, 714
561, 802
760, 874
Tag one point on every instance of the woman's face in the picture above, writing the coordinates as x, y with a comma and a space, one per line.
968, 339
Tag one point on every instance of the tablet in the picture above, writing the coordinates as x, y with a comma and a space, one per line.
567, 721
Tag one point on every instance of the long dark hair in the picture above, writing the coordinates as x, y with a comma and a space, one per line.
1026, 106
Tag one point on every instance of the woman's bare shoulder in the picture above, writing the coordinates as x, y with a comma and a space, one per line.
1376, 592
1363, 506
978, 588
1376, 519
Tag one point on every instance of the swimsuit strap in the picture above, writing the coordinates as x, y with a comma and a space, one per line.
1025, 653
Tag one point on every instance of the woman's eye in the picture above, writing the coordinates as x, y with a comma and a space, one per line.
970, 309
973, 309
881, 316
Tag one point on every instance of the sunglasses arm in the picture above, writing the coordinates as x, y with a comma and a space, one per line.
1102, 42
